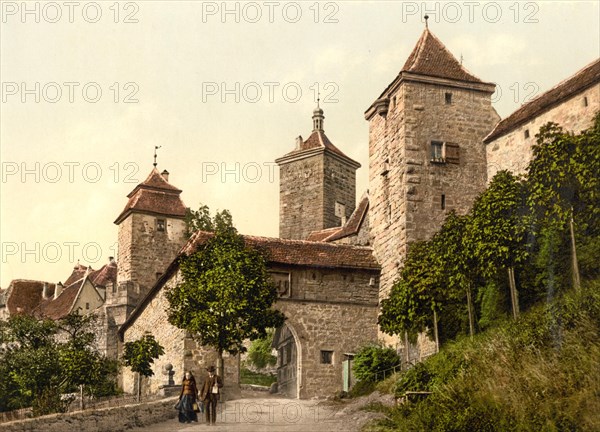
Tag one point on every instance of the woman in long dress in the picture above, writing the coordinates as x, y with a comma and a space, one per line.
187, 398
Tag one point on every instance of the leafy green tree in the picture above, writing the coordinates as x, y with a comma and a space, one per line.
564, 190
417, 296
40, 360
226, 295
198, 220
259, 353
458, 260
498, 230
139, 355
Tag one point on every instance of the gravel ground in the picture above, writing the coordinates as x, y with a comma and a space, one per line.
258, 411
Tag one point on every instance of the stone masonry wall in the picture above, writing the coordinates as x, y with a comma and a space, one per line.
301, 197
181, 351
339, 186
331, 310
513, 151
144, 252
341, 328
117, 419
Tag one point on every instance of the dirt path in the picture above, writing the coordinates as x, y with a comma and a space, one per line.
261, 412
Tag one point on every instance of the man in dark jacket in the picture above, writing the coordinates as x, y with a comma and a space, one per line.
210, 392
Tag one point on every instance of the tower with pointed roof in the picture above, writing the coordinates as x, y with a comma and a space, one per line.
317, 188
426, 150
151, 233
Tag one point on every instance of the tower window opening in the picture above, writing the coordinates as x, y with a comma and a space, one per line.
448, 98
160, 225
326, 357
526, 133
437, 151
443, 202
585, 101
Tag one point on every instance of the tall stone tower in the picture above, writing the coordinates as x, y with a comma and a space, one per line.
151, 233
426, 150
317, 188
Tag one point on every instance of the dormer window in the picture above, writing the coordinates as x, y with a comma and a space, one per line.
160, 225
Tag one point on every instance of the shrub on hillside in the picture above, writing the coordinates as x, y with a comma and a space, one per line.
373, 362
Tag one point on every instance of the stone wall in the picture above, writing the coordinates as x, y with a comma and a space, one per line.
339, 187
145, 252
513, 150
327, 310
309, 187
116, 419
181, 351
406, 184
320, 326
301, 197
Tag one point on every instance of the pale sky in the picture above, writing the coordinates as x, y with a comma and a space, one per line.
69, 162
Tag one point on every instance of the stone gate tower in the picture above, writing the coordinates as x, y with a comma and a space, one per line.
151, 233
426, 150
317, 188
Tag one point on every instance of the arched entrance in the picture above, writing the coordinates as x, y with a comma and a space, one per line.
289, 353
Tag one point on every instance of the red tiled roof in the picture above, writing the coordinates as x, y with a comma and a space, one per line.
61, 307
323, 234
316, 140
300, 252
25, 295
430, 57
279, 251
107, 274
154, 195
583, 79
351, 228
78, 272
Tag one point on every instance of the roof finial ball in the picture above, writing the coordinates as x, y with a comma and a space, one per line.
426, 18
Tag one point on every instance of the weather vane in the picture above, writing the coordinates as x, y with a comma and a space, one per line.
426, 18
155, 148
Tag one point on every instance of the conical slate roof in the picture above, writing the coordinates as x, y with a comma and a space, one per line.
155, 195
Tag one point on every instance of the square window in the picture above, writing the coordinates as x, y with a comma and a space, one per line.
437, 151
448, 98
160, 225
326, 357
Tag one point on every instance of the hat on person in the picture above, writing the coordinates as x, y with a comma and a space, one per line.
211, 369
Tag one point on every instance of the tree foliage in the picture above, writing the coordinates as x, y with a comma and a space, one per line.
259, 353
516, 231
40, 360
226, 295
373, 362
140, 354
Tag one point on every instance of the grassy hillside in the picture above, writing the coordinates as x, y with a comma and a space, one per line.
540, 373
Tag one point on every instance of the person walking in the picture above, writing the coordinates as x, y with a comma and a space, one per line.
188, 399
210, 394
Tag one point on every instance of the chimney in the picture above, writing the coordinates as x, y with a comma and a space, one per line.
45, 291
299, 142
58, 289
165, 175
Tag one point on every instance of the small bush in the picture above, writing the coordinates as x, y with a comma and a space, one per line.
373, 362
